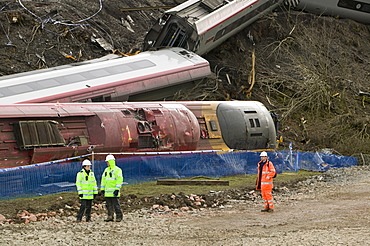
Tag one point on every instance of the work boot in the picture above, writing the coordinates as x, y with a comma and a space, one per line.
270, 210
109, 219
265, 209
119, 220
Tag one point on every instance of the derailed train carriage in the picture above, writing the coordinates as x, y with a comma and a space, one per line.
34, 133
358, 10
110, 78
202, 25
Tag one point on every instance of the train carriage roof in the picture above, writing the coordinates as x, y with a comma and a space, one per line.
101, 72
204, 14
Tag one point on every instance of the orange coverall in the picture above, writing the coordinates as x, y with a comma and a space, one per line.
265, 183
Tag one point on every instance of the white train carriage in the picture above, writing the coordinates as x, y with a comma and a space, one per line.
201, 25
111, 78
356, 10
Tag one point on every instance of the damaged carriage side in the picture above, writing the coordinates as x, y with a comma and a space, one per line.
202, 25
35, 133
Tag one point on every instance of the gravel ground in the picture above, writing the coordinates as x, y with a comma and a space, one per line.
330, 209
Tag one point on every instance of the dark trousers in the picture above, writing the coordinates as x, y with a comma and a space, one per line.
113, 206
85, 208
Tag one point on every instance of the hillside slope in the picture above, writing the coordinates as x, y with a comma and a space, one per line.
313, 71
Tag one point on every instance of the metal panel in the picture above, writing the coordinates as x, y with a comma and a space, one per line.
31, 134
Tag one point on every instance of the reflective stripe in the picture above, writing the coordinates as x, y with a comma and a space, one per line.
265, 183
87, 182
89, 191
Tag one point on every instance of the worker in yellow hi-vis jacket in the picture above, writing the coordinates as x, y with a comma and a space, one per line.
111, 183
87, 190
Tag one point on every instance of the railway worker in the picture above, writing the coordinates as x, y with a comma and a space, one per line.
111, 183
265, 174
87, 190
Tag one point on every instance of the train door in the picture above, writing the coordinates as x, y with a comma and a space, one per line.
175, 37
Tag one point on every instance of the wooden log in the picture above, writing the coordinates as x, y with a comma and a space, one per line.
191, 182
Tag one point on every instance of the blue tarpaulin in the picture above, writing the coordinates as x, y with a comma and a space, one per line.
55, 177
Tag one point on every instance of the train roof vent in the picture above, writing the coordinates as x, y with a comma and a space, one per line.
213, 4
39, 133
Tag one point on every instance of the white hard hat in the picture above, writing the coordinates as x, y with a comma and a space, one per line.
86, 163
109, 157
263, 153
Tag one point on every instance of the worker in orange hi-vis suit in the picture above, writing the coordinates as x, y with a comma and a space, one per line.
265, 174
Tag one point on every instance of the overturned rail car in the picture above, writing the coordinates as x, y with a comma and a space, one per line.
202, 25
34, 133
357, 10
110, 78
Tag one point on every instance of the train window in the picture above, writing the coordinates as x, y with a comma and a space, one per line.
46, 83
213, 125
250, 112
99, 73
257, 122
141, 64
254, 123
119, 69
20, 88
72, 78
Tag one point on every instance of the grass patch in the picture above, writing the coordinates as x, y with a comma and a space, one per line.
235, 182
150, 189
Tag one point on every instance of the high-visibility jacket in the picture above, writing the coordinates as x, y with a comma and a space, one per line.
86, 184
111, 180
266, 176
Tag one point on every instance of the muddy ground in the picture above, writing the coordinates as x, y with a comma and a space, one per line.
328, 209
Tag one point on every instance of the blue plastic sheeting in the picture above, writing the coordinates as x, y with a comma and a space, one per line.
54, 178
